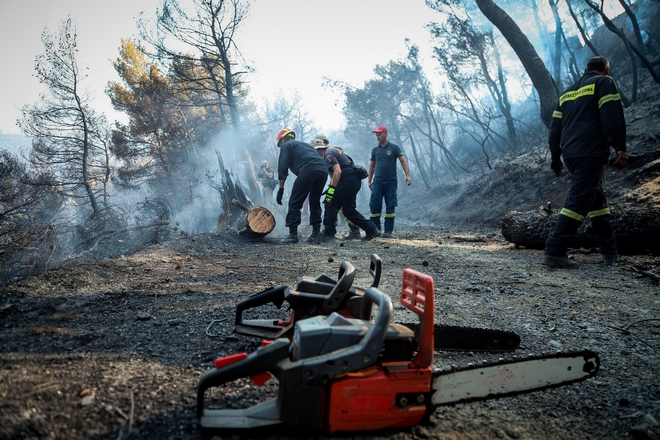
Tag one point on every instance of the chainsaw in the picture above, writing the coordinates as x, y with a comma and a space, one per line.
345, 374
324, 295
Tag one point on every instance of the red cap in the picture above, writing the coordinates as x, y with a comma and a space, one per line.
380, 129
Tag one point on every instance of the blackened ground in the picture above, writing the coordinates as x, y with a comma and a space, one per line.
114, 349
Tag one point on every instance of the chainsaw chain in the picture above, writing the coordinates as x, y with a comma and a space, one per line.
459, 338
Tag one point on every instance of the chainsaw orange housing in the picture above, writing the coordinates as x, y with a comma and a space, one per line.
374, 398
370, 403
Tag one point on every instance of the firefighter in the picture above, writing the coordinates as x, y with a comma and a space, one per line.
383, 180
311, 175
268, 184
342, 193
587, 122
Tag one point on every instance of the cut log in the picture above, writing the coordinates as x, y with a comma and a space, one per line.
637, 229
259, 222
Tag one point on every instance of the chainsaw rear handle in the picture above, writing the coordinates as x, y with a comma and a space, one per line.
336, 296
275, 296
375, 269
259, 361
320, 369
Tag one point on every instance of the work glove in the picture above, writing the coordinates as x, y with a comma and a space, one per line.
280, 193
556, 165
330, 193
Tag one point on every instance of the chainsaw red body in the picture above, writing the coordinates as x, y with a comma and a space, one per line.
352, 388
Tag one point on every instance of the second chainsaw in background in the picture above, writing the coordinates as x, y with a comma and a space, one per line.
324, 295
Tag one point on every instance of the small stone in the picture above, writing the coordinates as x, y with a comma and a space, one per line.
425, 263
554, 343
87, 400
648, 418
143, 316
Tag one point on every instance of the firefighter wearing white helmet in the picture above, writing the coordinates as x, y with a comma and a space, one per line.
311, 174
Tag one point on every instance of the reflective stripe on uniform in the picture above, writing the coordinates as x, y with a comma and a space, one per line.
607, 98
389, 215
571, 214
587, 90
556, 114
375, 215
600, 212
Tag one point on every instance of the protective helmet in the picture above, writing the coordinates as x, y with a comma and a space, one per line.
284, 133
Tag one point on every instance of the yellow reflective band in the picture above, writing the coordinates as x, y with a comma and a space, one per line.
571, 214
375, 215
331, 190
556, 114
600, 212
389, 215
575, 94
607, 98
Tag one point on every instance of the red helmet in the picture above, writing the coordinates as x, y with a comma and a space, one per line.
284, 133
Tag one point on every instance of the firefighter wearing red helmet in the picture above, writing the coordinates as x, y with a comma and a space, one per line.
311, 174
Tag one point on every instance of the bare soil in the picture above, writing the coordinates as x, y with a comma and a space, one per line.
114, 349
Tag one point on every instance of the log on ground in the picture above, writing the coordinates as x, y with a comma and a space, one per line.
258, 222
637, 229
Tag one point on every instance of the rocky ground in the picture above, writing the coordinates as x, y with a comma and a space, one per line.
114, 349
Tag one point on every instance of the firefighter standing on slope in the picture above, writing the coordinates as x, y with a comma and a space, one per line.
312, 173
587, 122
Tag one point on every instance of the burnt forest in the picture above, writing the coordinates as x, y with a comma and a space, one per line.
126, 248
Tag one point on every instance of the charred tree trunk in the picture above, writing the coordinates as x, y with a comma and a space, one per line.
538, 73
231, 212
637, 229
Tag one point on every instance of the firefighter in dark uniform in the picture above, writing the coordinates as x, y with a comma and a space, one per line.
303, 161
342, 193
587, 122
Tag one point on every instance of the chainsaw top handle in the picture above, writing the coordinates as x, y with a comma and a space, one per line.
356, 357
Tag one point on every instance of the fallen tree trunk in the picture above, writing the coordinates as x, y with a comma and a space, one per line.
637, 229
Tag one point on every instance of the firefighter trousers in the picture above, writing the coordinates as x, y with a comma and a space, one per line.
585, 198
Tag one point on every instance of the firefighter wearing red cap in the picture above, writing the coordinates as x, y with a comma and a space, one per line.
382, 179
311, 175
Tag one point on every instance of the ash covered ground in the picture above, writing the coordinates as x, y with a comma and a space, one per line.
114, 349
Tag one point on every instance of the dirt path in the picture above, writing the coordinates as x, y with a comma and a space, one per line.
114, 349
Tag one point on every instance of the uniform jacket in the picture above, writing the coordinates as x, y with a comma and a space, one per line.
588, 120
299, 157
385, 159
333, 157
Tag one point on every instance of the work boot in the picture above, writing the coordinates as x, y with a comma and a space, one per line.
326, 237
562, 262
354, 234
375, 232
388, 234
292, 238
315, 238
